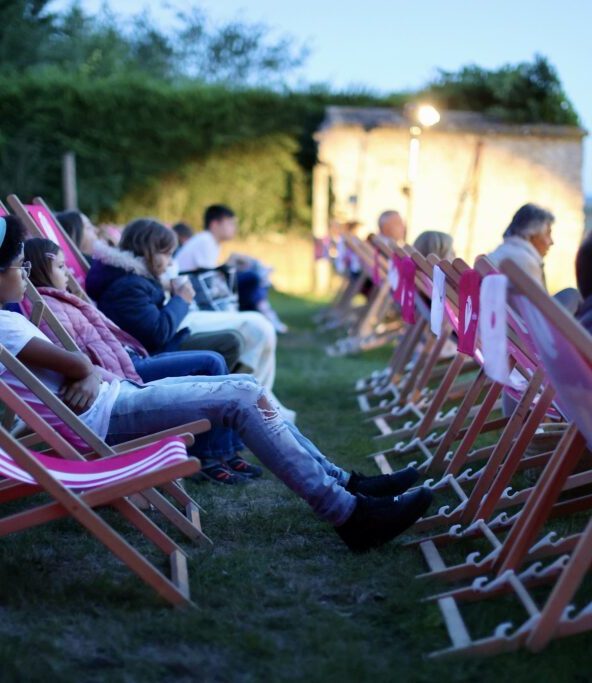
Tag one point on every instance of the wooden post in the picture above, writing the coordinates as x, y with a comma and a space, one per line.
69, 188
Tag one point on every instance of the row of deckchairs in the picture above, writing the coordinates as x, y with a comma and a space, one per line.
513, 488
82, 473
366, 325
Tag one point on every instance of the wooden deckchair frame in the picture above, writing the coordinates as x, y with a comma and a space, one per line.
517, 432
80, 507
189, 523
456, 421
413, 395
554, 619
362, 332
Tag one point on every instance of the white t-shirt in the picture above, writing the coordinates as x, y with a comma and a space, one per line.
15, 333
200, 251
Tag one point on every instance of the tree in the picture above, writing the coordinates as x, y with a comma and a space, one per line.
24, 26
236, 53
523, 93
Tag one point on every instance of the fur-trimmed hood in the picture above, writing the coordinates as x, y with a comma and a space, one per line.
110, 264
127, 293
126, 260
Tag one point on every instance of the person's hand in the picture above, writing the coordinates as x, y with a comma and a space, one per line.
80, 394
184, 290
240, 261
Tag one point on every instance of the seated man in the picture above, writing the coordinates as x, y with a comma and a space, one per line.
203, 251
392, 225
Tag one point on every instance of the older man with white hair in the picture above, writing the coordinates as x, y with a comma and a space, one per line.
392, 225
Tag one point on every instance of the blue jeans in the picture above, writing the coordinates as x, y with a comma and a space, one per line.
179, 364
237, 402
217, 444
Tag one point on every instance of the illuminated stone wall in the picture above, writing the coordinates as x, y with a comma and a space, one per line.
368, 172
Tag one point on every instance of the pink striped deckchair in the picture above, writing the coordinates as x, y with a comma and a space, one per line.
40, 222
524, 559
458, 423
363, 333
471, 484
413, 396
76, 488
80, 475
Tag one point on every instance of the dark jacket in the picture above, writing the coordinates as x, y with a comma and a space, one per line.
584, 314
125, 291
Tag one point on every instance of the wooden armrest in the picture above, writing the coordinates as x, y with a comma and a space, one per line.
197, 427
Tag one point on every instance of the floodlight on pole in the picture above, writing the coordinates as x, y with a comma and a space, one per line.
427, 115
421, 116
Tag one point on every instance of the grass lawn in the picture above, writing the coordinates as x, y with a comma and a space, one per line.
279, 596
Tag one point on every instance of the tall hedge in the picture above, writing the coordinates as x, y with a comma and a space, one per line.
133, 136
148, 146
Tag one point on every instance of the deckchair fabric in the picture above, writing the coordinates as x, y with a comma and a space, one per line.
81, 475
79, 505
51, 230
39, 221
572, 380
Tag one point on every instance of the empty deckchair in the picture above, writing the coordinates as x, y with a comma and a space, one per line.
76, 488
362, 330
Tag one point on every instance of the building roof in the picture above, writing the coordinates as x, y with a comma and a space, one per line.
450, 121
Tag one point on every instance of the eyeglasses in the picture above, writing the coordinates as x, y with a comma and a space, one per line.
25, 268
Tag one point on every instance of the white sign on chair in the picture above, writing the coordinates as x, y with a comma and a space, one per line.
493, 327
438, 297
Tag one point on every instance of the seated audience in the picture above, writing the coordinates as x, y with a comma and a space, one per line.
80, 229
203, 251
125, 283
120, 355
229, 343
362, 509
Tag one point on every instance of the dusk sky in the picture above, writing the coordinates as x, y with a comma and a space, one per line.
391, 45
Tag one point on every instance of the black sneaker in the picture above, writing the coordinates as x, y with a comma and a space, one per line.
244, 468
383, 484
376, 521
219, 474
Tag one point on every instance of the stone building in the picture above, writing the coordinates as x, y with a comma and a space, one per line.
466, 175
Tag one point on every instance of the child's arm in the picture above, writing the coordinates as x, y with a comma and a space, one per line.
136, 312
82, 382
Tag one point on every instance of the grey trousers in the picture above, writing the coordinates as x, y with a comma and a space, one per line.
228, 343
